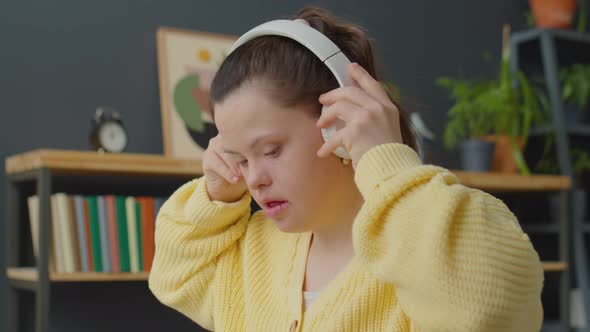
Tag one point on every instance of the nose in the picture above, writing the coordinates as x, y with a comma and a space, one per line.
257, 177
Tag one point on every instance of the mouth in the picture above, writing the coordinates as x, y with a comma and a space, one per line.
273, 208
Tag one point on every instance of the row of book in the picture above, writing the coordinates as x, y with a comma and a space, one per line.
98, 233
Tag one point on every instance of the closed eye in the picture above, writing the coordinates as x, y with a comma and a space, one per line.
274, 153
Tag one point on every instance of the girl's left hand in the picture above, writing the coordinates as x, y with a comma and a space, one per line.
371, 117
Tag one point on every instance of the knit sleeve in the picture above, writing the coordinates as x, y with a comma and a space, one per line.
192, 233
457, 256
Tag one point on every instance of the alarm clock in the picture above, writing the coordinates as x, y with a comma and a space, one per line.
108, 133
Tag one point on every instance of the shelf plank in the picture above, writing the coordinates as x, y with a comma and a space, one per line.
22, 273
87, 162
513, 182
554, 266
98, 276
575, 130
29, 274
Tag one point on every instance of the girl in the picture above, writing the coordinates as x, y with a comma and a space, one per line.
383, 243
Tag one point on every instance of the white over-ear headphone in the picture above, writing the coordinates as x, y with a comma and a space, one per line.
300, 31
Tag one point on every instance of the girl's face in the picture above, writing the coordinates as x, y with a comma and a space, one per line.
275, 148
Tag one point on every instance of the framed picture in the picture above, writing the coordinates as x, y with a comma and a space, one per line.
187, 62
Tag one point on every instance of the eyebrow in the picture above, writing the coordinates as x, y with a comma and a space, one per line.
254, 143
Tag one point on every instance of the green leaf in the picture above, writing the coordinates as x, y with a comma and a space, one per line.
518, 158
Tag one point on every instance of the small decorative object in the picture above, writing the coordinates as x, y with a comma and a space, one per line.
187, 63
107, 133
423, 133
553, 13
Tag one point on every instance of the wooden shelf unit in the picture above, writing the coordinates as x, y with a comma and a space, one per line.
48, 169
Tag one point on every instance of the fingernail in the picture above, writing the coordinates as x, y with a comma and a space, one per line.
236, 179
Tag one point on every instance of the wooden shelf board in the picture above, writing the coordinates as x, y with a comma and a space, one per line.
513, 182
88, 162
554, 266
22, 273
30, 274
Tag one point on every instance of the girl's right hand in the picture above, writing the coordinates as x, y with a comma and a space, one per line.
224, 179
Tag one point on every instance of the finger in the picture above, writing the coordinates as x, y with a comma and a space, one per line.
332, 143
229, 159
368, 84
216, 147
343, 110
353, 94
221, 167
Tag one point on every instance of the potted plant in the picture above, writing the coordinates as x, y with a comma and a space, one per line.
553, 13
497, 111
575, 88
467, 125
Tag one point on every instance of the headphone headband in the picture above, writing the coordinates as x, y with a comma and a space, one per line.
307, 36
316, 42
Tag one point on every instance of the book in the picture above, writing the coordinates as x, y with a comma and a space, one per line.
81, 222
33, 205
132, 233
95, 232
138, 228
104, 235
123, 237
147, 231
73, 225
88, 235
65, 232
113, 231
56, 236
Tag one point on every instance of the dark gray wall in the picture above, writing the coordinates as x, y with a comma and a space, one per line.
60, 59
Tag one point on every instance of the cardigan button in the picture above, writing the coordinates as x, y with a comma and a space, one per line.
294, 326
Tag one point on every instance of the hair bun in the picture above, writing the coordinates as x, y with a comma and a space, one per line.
349, 37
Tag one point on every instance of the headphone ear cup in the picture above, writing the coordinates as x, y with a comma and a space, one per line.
328, 132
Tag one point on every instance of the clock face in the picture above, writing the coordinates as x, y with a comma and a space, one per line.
112, 137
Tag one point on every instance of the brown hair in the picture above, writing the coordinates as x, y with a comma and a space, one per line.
293, 74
